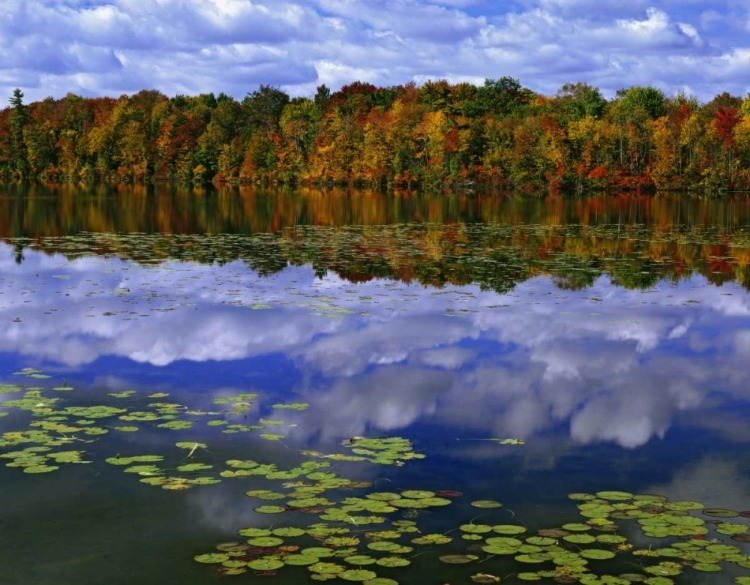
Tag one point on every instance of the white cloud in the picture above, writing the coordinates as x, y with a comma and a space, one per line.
178, 46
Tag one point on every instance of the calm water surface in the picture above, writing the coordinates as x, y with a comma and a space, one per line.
610, 335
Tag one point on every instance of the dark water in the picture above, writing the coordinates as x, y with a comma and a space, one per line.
610, 335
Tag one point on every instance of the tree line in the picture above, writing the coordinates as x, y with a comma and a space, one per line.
437, 136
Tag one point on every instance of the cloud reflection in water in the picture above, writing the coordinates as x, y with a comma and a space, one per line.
611, 364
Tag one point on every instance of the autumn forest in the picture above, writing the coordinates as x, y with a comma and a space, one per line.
436, 136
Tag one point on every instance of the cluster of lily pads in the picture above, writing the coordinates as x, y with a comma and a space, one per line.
383, 451
331, 549
353, 551
565, 552
54, 425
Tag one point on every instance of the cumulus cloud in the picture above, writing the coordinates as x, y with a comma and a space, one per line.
103, 47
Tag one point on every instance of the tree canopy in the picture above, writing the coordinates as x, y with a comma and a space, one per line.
437, 135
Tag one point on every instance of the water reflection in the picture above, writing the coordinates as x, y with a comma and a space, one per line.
607, 363
610, 334
53, 210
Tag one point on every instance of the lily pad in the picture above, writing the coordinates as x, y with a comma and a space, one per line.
432, 539
486, 504
265, 541
597, 554
360, 560
301, 560
485, 578
458, 559
475, 528
417, 494
357, 575
40, 468
269, 509
720, 513
266, 564
212, 558
508, 529
328, 569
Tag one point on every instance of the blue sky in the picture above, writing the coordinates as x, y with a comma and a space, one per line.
100, 47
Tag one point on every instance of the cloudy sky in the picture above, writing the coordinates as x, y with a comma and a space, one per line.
110, 47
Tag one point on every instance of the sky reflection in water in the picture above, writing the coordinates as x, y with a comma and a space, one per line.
606, 363
610, 387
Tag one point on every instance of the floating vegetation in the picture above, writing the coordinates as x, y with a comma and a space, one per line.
32, 373
566, 554
383, 451
486, 504
323, 524
295, 406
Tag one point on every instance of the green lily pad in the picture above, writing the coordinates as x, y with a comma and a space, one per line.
266, 564
499, 549
475, 528
327, 569
707, 567
614, 496
212, 558
301, 560
265, 541
288, 532
269, 509
357, 575
508, 529
360, 560
667, 569
317, 551
432, 539
190, 467
540, 541
720, 513
576, 527
383, 546
533, 558
577, 496
597, 554
431, 502
383, 496
579, 538
417, 494
504, 541
683, 505
458, 559
486, 504
40, 468
393, 562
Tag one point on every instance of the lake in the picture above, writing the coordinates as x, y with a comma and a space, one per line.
217, 386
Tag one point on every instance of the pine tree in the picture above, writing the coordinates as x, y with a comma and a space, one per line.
18, 121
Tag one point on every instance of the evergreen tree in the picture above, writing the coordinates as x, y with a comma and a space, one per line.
18, 121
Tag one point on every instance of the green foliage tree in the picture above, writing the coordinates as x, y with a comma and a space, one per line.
18, 121
262, 108
322, 95
581, 100
647, 98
